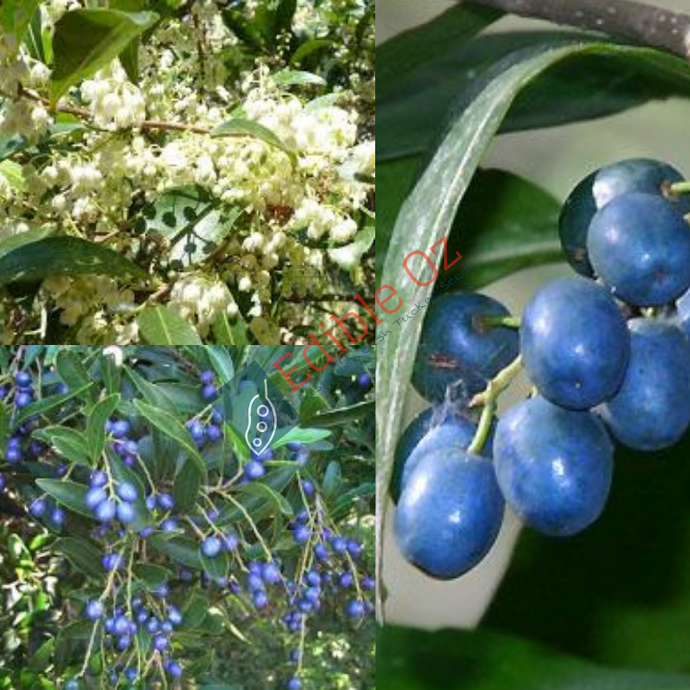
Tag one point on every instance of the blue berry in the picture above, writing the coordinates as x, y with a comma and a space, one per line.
457, 351
160, 643
643, 267
174, 669
112, 561
169, 525
449, 513
13, 455
127, 492
125, 512
38, 507
120, 428
57, 516
313, 578
94, 610
174, 615
307, 487
94, 497
165, 501
211, 546
22, 399
254, 469
99, 478
554, 466
602, 186
197, 430
437, 427
271, 573
124, 642
364, 381
23, 379
230, 541
131, 674
575, 343
346, 580
651, 410
207, 377
354, 548
3, 482
121, 626
208, 391
153, 625
301, 534
105, 511
260, 599
355, 609
339, 545
214, 433
321, 552
294, 683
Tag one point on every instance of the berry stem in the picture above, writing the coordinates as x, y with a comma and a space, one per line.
680, 187
488, 399
506, 321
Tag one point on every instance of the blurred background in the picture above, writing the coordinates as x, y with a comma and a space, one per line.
557, 159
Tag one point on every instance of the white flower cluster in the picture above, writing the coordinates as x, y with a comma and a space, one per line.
115, 102
202, 299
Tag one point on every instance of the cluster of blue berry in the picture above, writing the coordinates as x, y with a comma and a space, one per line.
608, 353
136, 632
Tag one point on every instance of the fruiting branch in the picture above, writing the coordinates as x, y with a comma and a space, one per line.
637, 22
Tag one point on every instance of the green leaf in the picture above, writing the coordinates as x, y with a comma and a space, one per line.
64, 256
304, 436
12, 172
350, 256
312, 48
194, 611
71, 369
411, 659
221, 361
97, 418
9, 145
201, 665
217, 566
230, 331
238, 127
428, 213
69, 494
41, 657
161, 325
341, 416
585, 87
52, 402
153, 576
180, 549
86, 40
170, 426
263, 490
193, 223
16, 15
426, 45
12, 242
83, 555
70, 443
153, 393
187, 485
297, 78
333, 478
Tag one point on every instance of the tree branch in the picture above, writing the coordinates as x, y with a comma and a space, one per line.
644, 24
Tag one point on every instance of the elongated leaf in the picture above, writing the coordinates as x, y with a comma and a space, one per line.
180, 549
69, 494
303, 436
418, 48
71, 369
427, 215
160, 325
221, 361
152, 575
70, 443
97, 418
263, 490
238, 127
350, 256
170, 426
217, 566
84, 555
341, 416
153, 394
409, 659
50, 403
64, 256
8, 244
15, 16
86, 40
297, 78
230, 331
187, 485
584, 88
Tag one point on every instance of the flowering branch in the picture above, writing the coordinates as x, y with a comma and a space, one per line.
644, 24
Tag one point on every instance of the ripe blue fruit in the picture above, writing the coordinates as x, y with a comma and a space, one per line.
120, 428
575, 343
294, 684
364, 380
639, 245
271, 573
169, 525
599, 188
125, 512
554, 466
165, 501
23, 379
211, 546
57, 516
127, 492
99, 478
207, 377
214, 432
22, 399
160, 643
38, 507
651, 410
437, 427
95, 496
3, 482
355, 609
449, 513
105, 511
457, 349
197, 430
94, 610
254, 469
208, 391
174, 669
260, 599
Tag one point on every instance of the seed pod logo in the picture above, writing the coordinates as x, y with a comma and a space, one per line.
261, 423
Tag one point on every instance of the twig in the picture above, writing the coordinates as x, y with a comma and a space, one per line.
644, 24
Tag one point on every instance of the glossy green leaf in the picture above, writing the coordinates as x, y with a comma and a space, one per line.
333, 478
83, 555
217, 566
69, 494
221, 361
180, 549
303, 436
350, 256
426, 45
230, 331
71, 370
194, 611
193, 223
97, 418
16, 15
12, 242
428, 214
343, 415
70, 443
64, 256
187, 485
152, 575
408, 659
260, 489
310, 49
297, 78
87, 39
153, 393
49, 403
583, 88
238, 127
169, 425
161, 325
